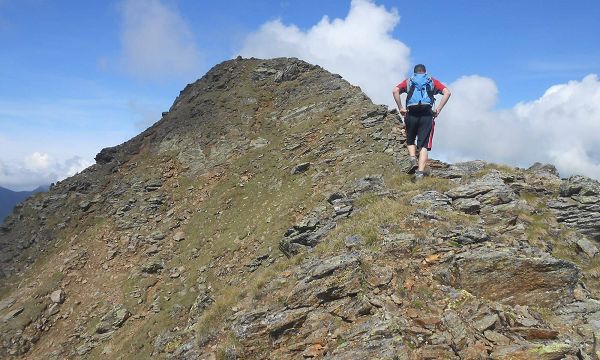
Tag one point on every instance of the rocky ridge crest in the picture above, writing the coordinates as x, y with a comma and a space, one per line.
266, 215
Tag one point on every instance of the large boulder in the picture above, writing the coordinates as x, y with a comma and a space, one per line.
515, 276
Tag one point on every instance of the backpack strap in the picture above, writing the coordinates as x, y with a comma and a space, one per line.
431, 90
410, 90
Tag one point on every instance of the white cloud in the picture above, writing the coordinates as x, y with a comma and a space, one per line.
359, 47
156, 41
561, 127
38, 169
37, 161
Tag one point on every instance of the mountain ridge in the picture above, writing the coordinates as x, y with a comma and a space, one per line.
266, 215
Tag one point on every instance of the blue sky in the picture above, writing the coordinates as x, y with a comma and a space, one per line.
75, 76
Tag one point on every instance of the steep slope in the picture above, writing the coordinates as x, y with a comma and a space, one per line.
266, 215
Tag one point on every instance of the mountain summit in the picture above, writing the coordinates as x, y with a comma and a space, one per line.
267, 216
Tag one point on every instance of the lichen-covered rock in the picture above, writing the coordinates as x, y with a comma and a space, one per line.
579, 206
431, 198
514, 276
113, 319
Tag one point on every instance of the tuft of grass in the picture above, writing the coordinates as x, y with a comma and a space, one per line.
228, 348
464, 297
213, 318
534, 200
428, 183
500, 167
367, 223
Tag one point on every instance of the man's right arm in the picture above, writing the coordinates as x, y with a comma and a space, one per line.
399, 89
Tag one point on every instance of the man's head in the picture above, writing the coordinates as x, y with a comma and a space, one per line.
420, 69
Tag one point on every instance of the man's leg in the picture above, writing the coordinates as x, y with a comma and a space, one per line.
412, 150
411, 134
424, 139
423, 156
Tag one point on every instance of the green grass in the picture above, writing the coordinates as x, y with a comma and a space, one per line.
500, 167
405, 184
366, 223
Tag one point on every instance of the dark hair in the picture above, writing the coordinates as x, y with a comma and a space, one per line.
420, 68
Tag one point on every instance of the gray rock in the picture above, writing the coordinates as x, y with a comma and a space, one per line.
374, 117
354, 241
580, 206
113, 319
487, 183
201, 303
12, 314
259, 143
307, 232
334, 197
7, 303
579, 185
516, 276
308, 223
499, 196
258, 261
84, 349
157, 236
487, 322
53, 309
468, 206
121, 315
85, 205
334, 279
543, 170
431, 198
459, 170
153, 185
466, 235
587, 247
329, 266
369, 183
300, 168
279, 323
179, 236
342, 210
57, 296
580, 307
152, 266
496, 337
459, 331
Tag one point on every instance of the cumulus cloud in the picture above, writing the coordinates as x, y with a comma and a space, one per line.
38, 169
156, 41
359, 47
560, 127
37, 161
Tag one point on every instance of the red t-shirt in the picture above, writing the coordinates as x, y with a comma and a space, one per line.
438, 86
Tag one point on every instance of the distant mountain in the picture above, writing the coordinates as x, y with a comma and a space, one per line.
9, 198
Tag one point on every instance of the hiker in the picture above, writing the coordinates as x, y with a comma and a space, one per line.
419, 114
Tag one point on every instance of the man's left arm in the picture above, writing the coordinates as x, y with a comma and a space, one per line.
445, 96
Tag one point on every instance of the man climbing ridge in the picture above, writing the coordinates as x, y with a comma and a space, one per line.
419, 114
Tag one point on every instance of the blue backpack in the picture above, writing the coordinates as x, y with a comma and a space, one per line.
420, 90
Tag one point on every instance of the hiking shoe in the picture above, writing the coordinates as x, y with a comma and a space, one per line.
419, 175
414, 165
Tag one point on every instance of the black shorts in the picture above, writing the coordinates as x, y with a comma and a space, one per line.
420, 125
